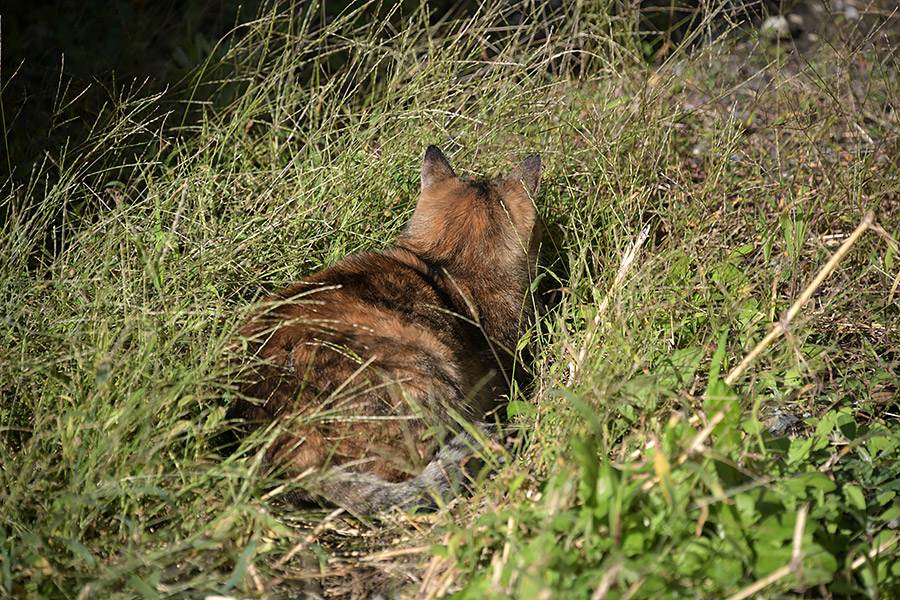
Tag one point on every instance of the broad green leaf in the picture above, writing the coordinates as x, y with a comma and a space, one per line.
813, 479
854, 496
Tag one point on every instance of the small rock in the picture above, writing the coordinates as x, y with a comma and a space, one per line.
776, 28
850, 11
780, 422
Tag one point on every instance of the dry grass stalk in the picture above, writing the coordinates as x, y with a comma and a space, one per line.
785, 322
624, 267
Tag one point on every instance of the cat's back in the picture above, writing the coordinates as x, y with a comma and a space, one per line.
370, 297
387, 314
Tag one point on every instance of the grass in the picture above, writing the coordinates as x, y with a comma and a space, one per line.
129, 259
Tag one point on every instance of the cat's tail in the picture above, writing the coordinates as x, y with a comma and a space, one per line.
454, 466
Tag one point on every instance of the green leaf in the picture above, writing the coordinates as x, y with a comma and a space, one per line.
720, 398
142, 587
586, 455
885, 497
891, 513
771, 555
78, 549
814, 479
608, 495
800, 450
718, 357
240, 567
847, 424
855, 497
633, 544
818, 566
677, 370
882, 443
520, 408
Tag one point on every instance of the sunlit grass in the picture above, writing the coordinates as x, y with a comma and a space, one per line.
641, 475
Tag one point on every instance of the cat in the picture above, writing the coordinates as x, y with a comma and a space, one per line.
363, 366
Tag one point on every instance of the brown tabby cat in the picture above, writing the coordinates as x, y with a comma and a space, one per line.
362, 365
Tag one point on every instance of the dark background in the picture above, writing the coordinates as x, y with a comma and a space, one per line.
64, 64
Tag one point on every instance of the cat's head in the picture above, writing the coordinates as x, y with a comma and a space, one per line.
486, 227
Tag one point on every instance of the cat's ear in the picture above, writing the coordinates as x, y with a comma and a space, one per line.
435, 167
529, 173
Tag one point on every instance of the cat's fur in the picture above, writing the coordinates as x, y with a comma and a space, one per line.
357, 364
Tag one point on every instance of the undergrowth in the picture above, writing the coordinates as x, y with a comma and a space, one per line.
731, 168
